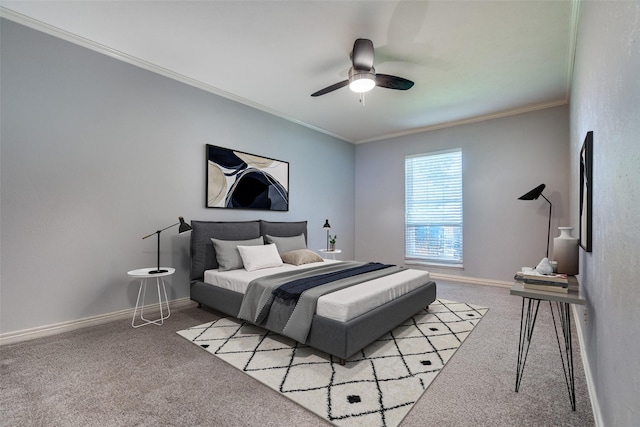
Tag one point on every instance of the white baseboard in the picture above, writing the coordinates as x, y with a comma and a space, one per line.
58, 328
593, 397
471, 280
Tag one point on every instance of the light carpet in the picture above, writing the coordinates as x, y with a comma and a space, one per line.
376, 387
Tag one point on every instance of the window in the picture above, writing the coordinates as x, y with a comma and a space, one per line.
433, 208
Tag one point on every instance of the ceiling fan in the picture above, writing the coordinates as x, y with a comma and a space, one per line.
362, 75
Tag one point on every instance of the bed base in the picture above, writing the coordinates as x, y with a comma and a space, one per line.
339, 339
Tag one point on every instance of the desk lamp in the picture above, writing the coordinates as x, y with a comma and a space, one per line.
533, 195
328, 227
184, 227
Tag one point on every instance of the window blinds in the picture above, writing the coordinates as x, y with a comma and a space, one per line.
433, 207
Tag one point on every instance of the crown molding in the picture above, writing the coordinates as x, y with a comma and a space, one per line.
475, 119
138, 62
133, 60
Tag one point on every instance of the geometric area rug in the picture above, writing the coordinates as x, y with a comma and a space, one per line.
377, 386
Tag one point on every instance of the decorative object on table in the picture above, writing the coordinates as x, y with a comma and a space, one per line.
377, 386
241, 180
332, 242
327, 227
546, 282
534, 277
547, 287
184, 227
553, 282
544, 266
565, 252
533, 195
586, 198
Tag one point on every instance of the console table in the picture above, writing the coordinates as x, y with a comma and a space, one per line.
561, 315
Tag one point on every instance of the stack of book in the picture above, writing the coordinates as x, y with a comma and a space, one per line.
546, 282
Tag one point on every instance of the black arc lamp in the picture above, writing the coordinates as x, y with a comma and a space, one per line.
184, 227
533, 195
328, 227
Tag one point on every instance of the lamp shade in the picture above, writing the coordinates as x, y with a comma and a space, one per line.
533, 194
184, 227
326, 224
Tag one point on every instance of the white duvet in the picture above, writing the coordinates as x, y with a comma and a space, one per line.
342, 305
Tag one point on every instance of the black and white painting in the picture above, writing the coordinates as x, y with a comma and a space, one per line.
586, 196
241, 180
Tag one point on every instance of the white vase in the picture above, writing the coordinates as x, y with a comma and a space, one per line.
565, 252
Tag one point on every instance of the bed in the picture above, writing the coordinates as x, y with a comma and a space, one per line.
339, 329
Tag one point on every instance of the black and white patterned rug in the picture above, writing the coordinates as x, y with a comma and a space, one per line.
377, 386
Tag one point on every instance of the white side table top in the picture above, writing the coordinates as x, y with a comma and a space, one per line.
144, 272
336, 251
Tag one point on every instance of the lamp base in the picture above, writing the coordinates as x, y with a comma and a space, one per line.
158, 271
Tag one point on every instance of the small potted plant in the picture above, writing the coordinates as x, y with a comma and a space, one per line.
332, 242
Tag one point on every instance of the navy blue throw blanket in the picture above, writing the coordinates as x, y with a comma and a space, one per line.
293, 289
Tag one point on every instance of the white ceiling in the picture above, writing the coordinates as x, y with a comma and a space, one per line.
470, 60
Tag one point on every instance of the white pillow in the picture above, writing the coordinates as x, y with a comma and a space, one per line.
258, 257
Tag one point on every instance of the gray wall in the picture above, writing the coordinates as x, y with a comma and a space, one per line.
502, 159
605, 99
97, 153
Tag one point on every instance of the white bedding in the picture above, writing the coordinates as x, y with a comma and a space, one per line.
342, 305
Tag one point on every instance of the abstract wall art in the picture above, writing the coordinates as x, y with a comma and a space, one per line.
586, 187
239, 180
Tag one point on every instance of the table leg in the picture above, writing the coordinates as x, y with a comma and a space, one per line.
135, 312
564, 317
142, 292
527, 323
166, 300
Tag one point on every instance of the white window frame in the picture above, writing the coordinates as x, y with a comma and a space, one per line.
438, 213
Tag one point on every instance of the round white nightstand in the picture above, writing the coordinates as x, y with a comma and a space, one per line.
333, 253
143, 274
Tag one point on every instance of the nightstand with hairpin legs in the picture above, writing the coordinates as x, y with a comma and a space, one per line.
560, 306
151, 273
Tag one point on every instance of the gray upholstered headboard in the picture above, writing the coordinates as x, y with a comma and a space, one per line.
203, 256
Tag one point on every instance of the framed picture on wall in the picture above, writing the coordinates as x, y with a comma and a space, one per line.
239, 180
586, 196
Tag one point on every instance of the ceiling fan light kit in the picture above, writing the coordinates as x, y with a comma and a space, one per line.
362, 75
362, 81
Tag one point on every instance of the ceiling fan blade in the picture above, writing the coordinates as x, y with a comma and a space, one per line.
393, 82
331, 88
362, 54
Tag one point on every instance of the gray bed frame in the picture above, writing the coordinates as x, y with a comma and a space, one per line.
339, 339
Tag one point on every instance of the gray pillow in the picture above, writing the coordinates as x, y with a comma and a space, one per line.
283, 229
227, 253
203, 256
287, 244
301, 256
